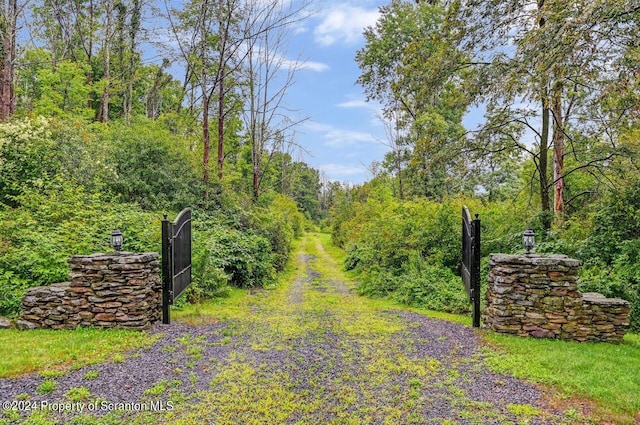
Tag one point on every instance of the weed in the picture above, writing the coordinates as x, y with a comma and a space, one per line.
169, 348
92, 374
415, 383
46, 387
194, 351
52, 373
78, 394
158, 389
118, 358
523, 410
193, 378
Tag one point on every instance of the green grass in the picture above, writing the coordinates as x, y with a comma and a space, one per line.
48, 351
338, 255
607, 374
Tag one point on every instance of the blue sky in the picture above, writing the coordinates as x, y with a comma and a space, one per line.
342, 135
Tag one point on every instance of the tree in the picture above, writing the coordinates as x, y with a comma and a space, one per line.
208, 42
268, 75
547, 64
411, 65
9, 14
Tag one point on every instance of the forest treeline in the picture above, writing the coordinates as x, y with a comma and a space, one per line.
555, 148
94, 137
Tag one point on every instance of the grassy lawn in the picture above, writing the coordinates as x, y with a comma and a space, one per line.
605, 374
45, 350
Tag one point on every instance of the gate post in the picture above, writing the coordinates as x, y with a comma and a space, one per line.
167, 272
476, 272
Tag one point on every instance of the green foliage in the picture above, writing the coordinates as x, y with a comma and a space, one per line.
280, 223
149, 166
407, 251
611, 252
46, 387
223, 255
27, 157
423, 285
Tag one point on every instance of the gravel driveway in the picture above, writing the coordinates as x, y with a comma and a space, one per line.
309, 353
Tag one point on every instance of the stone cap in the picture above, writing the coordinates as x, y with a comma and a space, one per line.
116, 257
596, 298
534, 259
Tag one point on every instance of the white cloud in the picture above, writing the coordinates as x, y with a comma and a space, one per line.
342, 170
305, 65
337, 137
343, 23
355, 104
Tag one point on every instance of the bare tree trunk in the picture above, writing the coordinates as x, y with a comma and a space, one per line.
206, 97
400, 182
7, 94
224, 20
543, 163
266, 38
221, 114
558, 156
133, 33
103, 111
544, 145
207, 146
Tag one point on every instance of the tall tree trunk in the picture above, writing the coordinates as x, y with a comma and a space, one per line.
256, 172
543, 163
544, 144
558, 155
103, 112
206, 95
221, 98
206, 139
224, 20
89, 51
7, 94
133, 33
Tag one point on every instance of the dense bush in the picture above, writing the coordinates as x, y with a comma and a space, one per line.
387, 239
611, 252
408, 251
148, 167
424, 286
280, 223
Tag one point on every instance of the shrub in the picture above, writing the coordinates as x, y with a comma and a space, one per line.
227, 255
279, 223
423, 286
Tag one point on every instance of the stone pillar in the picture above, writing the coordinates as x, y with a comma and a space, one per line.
121, 290
536, 295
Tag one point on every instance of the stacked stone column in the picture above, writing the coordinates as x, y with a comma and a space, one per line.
534, 295
121, 290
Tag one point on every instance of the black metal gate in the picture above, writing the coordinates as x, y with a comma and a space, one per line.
471, 261
176, 259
